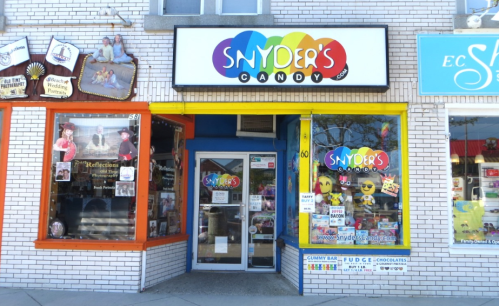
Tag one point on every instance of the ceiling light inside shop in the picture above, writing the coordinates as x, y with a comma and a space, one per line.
479, 159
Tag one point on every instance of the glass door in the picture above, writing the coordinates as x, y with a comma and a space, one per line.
220, 198
261, 211
235, 209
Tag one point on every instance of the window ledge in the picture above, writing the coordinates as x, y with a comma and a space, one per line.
165, 240
167, 23
474, 250
460, 25
106, 245
100, 245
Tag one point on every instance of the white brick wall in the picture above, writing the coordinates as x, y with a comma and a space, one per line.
155, 50
290, 264
23, 266
164, 262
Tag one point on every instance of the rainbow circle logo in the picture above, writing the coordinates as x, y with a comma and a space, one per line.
222, 181
363, 158
251, 54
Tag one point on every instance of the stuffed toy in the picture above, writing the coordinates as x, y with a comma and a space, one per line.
326, 185
367, 188
336, 199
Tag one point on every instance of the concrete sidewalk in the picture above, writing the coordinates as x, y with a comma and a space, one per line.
21, 297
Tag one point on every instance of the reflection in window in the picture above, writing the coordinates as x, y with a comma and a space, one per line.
93, 176
182, 7
239, 7
166, 177
292, 178
475, 179
356, 180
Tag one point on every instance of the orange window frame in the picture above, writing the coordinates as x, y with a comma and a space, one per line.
4, 148
142, 180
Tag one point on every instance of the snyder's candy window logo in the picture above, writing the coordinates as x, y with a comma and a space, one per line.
250, 54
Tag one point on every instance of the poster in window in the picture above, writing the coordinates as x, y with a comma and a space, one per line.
125, 189
63, 172
98, 138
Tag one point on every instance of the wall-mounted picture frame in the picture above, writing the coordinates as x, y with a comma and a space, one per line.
104, 79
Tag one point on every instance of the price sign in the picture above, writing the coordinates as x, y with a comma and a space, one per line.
307, 203
336, 215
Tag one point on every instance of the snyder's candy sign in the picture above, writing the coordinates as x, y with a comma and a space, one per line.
274, 56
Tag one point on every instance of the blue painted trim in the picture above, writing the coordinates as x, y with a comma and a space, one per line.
358, 251
290, 240
284, 124
235, 145
280, 203
300, 272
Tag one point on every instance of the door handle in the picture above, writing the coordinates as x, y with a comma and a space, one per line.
241, 212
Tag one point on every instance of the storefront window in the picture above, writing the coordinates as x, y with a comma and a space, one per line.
292, 176
93, 176
475, 179
356, 180
166, 177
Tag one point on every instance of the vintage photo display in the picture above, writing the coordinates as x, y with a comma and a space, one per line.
166, 203
63, 171
153, 228
95, 138
166, 174
125, 189
92, 149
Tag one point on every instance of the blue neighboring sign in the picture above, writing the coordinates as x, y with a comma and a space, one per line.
458, 65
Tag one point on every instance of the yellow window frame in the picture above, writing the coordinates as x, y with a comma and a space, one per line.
306, 110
